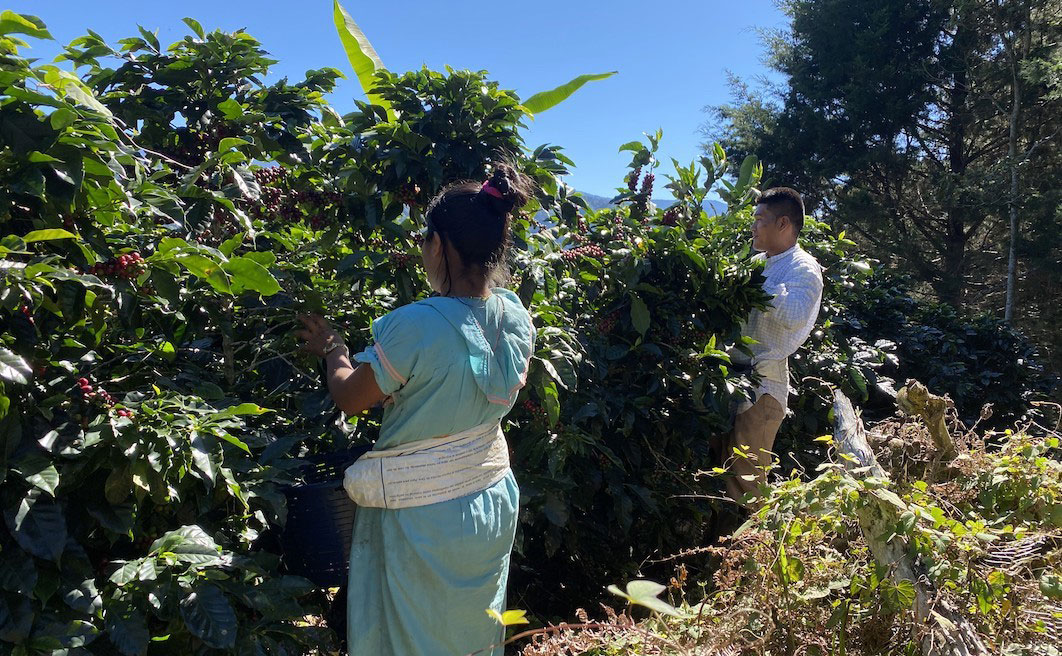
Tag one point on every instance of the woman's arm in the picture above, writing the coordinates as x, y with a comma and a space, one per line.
354, 389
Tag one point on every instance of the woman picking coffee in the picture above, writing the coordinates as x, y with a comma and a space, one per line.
437, 500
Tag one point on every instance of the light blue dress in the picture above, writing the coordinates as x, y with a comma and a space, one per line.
422, 579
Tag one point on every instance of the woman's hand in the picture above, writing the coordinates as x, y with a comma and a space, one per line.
354, 389
318, 336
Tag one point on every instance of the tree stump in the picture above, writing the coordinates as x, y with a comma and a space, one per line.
947, 633
915, 400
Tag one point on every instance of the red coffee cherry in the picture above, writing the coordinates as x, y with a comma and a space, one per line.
632, 179
588, 250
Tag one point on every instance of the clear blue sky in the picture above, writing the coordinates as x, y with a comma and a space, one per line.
672, 55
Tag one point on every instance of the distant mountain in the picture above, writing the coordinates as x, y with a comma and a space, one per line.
594, 201
601, 202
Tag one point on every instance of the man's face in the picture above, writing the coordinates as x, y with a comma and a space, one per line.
765, 229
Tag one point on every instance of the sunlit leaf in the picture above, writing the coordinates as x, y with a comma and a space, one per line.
195, 26
646, 593
249, 274
40, 473
509, 617
362, 56
12, 23
50, 234
13, 368
551, 403
545, 100
240, 410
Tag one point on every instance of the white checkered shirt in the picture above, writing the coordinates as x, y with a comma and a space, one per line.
794, 279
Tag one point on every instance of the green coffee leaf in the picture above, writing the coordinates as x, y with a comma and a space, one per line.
206, 269
13, 368
248, 274
127, 573
202, 458
127, 629
639, 314
210, 617
240, 410
195, 26
39, 526
39, 472
551, 402
50, 234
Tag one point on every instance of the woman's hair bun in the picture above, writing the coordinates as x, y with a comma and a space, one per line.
514, 187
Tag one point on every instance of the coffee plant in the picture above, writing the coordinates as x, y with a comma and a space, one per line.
975, 360
166, 214
656, 300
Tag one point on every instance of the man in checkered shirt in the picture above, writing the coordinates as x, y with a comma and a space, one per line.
794, 280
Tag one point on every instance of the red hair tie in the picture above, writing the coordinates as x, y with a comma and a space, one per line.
492, 190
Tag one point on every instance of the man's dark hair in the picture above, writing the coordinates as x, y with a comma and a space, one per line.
784, 201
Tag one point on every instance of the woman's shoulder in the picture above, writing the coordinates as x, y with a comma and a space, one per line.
517, 318
421, 310
428, 316
510, 299
413, 319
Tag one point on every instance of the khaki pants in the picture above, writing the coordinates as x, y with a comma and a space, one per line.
755, 428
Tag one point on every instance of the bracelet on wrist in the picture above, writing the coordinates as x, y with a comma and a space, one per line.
333, 346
